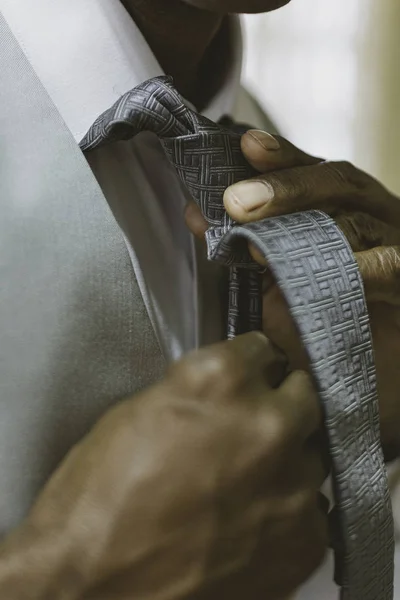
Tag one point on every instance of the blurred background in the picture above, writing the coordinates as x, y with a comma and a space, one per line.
327, 72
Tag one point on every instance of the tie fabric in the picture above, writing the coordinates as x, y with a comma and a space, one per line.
318, 275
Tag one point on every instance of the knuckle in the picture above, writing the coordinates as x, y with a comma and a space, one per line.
337, 175
346, 174
306, 385
348, 227
362, 231
299, 504
336, 170
304, 388
220, 367
208, 372
275, 431
291, 184
344, 168
186, 374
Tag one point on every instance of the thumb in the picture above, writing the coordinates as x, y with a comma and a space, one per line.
265, 152
380, 270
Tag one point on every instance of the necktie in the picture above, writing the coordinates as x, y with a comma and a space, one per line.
317, 273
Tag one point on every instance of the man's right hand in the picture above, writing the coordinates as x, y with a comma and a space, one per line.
204, 486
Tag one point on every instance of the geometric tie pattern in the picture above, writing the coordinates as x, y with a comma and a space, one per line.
316, 271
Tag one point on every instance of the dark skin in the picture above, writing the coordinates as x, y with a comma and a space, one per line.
182, 492
369, 215
188, 37
202, 487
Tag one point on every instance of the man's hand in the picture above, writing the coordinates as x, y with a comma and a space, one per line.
368, 214
294, 181
204, 486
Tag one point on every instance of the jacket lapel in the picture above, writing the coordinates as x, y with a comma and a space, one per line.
76, 336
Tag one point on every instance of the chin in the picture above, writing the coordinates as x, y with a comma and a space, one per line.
238, 6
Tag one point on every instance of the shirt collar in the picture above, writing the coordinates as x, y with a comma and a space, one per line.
88, 54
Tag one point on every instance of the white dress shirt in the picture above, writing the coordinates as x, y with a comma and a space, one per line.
87, 54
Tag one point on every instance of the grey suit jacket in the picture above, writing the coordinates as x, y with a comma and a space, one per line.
75, 334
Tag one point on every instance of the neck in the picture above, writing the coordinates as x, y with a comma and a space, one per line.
185, 40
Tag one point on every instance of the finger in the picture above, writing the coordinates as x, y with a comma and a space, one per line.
315, 462
380, 270
326, 186
287, 418
265, 152
197, 224
364, 232
230, 366
300, 404
276, 370
195, 220
257, 355
280, 327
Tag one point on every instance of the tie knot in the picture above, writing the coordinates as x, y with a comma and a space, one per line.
207, 156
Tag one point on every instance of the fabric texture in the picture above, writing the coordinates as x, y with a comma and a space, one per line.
86, 55
317, 273
77, 333
76, 337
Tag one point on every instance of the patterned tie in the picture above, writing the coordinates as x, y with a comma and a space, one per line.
317, 273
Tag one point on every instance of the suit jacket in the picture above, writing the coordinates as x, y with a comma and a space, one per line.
75, 333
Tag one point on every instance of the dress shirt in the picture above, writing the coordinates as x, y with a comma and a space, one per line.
87, 54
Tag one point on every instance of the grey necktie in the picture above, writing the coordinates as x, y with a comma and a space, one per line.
317, 273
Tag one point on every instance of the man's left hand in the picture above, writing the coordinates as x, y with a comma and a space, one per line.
369, 216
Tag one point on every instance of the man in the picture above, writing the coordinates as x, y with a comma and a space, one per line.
103, 287
85, 316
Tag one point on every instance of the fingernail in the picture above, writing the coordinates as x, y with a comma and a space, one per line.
250, 195
266, 140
